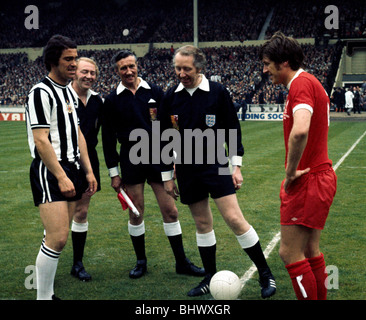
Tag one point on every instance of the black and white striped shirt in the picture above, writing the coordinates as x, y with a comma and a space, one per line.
53, 106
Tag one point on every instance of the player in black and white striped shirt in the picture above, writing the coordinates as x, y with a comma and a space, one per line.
59, 149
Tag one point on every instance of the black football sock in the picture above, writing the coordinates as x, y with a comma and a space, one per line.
174, 233
137, 234
207, 248
78, 234
249, 241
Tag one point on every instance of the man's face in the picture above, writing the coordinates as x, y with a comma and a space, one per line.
66, 65
127, 70
86, 75
273, 70
186, 72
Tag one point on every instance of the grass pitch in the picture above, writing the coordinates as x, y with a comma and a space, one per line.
109, 254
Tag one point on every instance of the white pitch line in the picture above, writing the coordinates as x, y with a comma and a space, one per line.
348, 152
249, 273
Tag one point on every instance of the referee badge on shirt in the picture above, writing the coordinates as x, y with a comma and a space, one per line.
174, 119
153, 113
210, 120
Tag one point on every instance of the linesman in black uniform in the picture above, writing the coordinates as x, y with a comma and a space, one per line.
205, 106
89, 113
58, 148
134, 105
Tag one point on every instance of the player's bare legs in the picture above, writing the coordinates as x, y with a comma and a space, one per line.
299, 242
79, 230
312, 249
55, 218
294, 240
299, 250
81, 210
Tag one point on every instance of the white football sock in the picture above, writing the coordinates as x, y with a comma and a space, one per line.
248, 239
172, 229
46, 266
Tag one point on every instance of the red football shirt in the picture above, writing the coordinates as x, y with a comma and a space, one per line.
305, 91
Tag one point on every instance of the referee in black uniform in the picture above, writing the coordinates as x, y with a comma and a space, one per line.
59, 150
134, 105
205, 106
89, 113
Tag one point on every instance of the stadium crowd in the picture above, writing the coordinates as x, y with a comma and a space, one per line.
238, 68
95, 22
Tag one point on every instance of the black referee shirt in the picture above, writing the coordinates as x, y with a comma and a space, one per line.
90, 117
123, 112
211, 108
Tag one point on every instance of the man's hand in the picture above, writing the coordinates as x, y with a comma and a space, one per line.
291, 178
171, 189
92, 184
66, 187
116, 183
237, 177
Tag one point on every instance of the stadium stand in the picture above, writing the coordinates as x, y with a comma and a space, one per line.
159, 21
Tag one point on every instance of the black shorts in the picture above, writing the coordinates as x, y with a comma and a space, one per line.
197, 182
94, 161
136, 174
45, 186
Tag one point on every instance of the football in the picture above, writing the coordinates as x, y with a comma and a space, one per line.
225, 285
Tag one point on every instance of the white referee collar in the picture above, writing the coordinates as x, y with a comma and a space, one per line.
295, 76
88, 95
142, 83
204, 85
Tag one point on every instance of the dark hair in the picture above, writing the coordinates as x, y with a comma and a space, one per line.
280, 49
54, 48
122, 55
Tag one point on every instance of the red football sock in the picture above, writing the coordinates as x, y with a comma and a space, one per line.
303, 280
318, 267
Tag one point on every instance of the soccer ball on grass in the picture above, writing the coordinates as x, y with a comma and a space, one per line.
225, 285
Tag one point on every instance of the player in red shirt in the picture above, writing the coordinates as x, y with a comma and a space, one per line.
308, 190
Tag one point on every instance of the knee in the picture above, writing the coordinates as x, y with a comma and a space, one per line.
80, 215
57, 242
203, 225
62, 243
236, 221
312, 252
284, 255
170, 214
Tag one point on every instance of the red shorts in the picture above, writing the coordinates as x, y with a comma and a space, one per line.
308, 199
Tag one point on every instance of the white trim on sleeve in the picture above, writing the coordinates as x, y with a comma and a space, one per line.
303, 106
